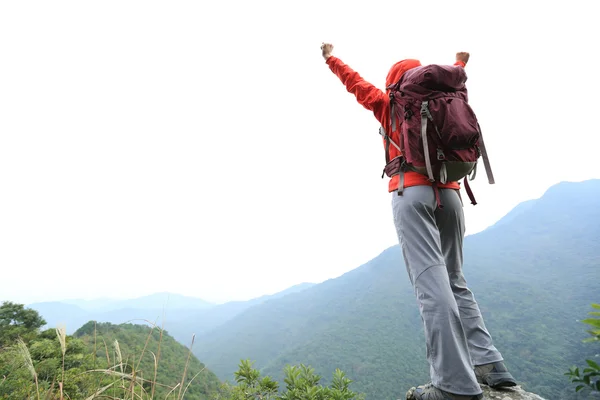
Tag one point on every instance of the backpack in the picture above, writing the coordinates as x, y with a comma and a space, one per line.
440, 136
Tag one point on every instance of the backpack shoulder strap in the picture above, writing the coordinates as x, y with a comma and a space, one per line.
486, 159
384, 134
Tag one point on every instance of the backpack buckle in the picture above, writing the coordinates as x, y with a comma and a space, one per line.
425, 110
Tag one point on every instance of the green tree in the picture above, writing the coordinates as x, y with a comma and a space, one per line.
302, 383
38, 367
589, 378
250, 386
16, 321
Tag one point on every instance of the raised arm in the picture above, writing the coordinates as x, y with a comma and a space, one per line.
369, 96
462, 58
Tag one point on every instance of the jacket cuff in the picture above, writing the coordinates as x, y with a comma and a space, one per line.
460, 63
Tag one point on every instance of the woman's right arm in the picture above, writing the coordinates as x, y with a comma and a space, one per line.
369, 96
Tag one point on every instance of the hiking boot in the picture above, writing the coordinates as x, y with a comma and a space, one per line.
495, 375
430, 392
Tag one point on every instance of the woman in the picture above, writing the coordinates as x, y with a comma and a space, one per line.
460, 351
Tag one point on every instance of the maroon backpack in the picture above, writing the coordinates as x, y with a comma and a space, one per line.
439, 133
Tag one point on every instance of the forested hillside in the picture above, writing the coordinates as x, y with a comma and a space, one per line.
534, 273
118, 361
138, 347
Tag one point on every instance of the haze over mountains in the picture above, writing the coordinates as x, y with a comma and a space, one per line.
183, 315
535, 273
150, 302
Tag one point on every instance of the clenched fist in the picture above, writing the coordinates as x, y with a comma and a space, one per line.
462, 56
326, 49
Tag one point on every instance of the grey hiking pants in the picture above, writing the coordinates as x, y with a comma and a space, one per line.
431, 240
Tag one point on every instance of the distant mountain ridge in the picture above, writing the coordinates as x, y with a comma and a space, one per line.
150, 302
534, 274
184, 315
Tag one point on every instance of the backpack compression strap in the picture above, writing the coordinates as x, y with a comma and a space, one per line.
425, 114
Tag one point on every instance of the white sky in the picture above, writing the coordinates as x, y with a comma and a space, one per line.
205, 148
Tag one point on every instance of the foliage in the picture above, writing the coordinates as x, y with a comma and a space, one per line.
38, 368
589, 378
125, 361
151, 356
301, 383
16, 321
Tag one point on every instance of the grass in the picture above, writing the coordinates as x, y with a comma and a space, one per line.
24, 352
127, 381
61, 332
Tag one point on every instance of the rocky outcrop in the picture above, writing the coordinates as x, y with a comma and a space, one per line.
514, 393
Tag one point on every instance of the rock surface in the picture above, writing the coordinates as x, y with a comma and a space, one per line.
514, 393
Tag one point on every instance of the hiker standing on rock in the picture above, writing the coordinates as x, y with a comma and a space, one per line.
460, 351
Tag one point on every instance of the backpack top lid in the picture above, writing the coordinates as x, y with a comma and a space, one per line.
427, 80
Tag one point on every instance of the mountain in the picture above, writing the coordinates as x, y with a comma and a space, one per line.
534, 274
74, 313
201, 321
156, 301
137, 347
59, 313
183, 316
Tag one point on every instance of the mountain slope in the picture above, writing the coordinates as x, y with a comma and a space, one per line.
182, 327
137, 344
533, 274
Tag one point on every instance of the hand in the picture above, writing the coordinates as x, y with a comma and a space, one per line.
463, 56
326, 49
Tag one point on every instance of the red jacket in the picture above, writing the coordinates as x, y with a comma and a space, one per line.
376, 100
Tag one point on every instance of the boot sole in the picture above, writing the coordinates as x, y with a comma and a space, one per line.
498, 380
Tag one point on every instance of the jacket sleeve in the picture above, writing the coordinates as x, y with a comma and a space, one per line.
369, 96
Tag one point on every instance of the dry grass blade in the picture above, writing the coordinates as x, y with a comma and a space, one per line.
156, 359
146, 344
172, 390
133, 377
187, 362
119, 355
140, 380
61, 332
95, 347
24, 351
107, 356
155, 373
119, 359
190, 382
100, 391
118, 374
